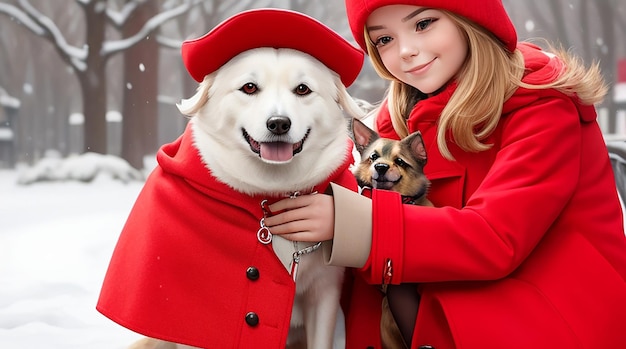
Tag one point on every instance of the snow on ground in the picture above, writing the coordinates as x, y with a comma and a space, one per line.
56, 239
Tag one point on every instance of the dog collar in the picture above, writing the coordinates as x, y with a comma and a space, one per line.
365, 191
406, 199
412, 200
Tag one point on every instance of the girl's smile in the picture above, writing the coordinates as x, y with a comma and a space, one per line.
420, 69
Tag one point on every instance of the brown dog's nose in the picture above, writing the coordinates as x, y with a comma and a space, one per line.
279, 125
381, 169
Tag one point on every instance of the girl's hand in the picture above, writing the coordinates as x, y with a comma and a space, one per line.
304, 218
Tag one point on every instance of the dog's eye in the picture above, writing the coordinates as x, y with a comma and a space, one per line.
400, 162
249, 88
302, 90
374, 156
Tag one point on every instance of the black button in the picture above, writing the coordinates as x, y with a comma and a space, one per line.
252, 319
252, 273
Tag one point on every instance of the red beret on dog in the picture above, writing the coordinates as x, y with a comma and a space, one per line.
490, 14
271, 28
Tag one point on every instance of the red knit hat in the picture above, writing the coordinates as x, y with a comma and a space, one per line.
271, 28
488, 13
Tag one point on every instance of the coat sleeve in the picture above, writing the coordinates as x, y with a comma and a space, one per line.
531, 180
351, 244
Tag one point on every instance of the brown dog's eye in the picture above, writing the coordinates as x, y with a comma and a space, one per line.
249, 88
302, 90
374, 156
400, 162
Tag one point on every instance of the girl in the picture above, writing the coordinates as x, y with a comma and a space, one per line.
525, 247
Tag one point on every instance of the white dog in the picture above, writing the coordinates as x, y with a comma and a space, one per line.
280, 129
271, 121
195, 263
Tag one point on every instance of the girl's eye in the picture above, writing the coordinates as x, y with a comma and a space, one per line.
374, 156
382, 41
423, 24
302, 90
249, 88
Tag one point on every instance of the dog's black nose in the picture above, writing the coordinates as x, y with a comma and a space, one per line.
279, 125
381, 169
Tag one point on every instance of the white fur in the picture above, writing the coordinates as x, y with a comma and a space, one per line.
220, 110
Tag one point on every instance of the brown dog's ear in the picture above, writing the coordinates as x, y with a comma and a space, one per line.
362, 135
415, 142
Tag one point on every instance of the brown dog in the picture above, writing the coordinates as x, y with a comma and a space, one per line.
399, 166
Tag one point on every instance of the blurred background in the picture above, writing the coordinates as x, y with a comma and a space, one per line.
90, 86
82, 76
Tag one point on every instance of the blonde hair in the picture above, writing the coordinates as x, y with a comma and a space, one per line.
489, 77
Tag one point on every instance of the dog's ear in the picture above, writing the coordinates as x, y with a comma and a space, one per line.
192, 105
362, 135
348, 104
415, 142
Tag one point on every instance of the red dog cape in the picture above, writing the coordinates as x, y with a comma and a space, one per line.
188, 266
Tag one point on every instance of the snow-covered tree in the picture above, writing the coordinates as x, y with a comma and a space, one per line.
89, 60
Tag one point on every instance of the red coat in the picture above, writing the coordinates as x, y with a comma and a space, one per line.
525, 247
182, 268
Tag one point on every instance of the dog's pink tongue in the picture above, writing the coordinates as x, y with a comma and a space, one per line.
276, 151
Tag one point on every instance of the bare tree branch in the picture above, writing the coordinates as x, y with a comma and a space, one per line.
42, 26
111, 47
22, 17
118, 18
169, 42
